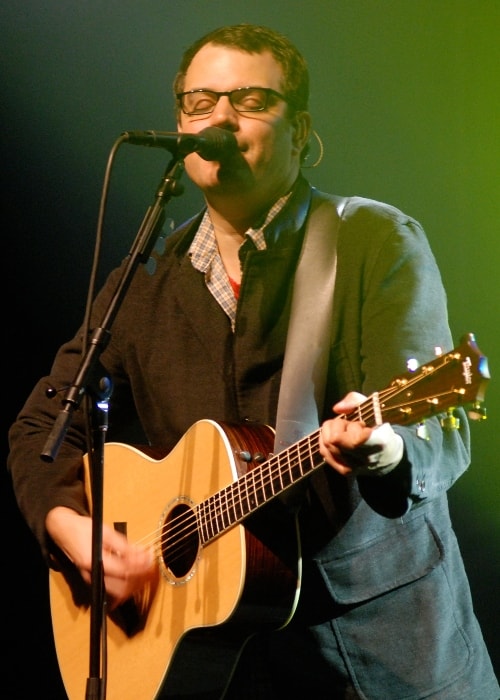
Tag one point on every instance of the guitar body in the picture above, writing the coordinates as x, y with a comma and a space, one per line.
207, 603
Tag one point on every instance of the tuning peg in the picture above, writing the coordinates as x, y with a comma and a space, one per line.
422, 431
450, 421
477, 411
412, 364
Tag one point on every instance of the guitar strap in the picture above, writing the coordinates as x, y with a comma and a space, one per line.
305, 365
303, 382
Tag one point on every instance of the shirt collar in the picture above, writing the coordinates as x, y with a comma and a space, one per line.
278, 220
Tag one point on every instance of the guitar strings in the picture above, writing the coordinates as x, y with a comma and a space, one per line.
208, 519
265, 471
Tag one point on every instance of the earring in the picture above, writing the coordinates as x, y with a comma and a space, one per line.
321, 151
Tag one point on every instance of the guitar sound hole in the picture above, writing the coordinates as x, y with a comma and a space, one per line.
180, 541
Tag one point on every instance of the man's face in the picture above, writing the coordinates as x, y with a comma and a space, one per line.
269, 143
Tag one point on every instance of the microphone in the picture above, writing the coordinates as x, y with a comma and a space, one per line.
211, 143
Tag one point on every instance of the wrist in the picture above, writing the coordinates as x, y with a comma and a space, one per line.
391, 450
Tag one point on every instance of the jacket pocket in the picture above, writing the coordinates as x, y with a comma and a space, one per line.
405, 552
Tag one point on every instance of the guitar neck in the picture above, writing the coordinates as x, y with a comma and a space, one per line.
281, 471
267, 480
450, 380
257, 487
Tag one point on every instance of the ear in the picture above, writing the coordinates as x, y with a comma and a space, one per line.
301, 122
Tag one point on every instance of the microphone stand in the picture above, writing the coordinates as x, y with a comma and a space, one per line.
100, 390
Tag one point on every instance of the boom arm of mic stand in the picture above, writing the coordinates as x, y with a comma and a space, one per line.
141, 249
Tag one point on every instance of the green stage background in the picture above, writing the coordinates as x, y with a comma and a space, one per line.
406, 99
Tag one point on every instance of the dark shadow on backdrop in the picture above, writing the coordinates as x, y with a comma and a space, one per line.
405, 101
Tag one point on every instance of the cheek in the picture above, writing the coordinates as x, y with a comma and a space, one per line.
195, 165
188, 125
278, 150
271, 144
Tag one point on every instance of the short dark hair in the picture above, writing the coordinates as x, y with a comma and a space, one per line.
257, 39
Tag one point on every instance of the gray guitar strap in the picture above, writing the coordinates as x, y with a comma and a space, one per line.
305, 365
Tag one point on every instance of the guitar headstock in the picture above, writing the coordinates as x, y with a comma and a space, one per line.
455, 378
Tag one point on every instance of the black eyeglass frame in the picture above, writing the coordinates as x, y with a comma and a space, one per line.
229, 93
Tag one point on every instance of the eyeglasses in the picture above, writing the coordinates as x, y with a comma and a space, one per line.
245, 99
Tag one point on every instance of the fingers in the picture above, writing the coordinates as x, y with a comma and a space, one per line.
126, 567
122, 559
119, 551
344, 434
125, 576
345, 445
350, 402
339, 441
349, 445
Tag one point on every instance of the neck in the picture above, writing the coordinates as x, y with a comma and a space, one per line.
231, 223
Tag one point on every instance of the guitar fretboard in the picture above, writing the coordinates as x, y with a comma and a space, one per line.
261, 484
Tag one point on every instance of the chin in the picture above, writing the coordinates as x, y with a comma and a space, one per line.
212, 175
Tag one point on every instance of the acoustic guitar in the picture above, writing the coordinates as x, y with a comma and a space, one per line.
222, 575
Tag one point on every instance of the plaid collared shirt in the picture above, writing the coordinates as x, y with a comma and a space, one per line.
205, 257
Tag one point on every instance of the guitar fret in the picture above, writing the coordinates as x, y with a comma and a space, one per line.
252, 496
224, 516
310, 451
217, 519
266, 489
245, 508
256, 488
230, 505
283, 483
295, 467
237, 509
202, 521
210, 517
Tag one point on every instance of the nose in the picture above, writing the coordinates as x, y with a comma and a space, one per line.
224, 112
